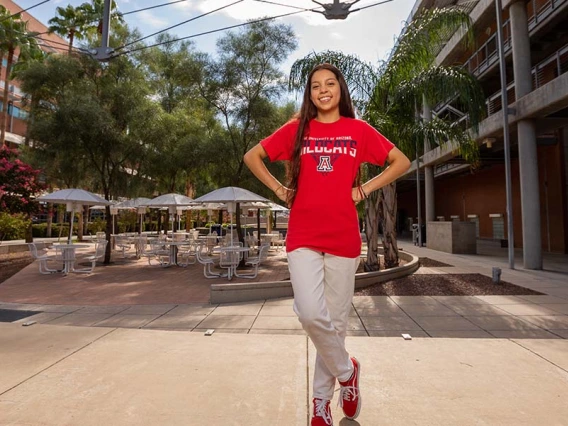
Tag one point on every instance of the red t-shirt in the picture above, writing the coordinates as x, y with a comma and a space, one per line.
323, 216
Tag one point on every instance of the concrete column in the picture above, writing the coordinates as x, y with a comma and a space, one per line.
521, 48
528, 161
428, 171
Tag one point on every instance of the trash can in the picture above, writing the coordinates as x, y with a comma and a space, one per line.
415, 234
415, 239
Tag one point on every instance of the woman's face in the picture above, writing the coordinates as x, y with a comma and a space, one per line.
325, 92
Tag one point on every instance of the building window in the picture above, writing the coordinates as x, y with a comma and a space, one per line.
498, 227
475, 219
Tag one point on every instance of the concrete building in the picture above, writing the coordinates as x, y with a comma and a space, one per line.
17, 115
536, 50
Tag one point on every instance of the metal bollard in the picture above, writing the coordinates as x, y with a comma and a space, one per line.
496, 275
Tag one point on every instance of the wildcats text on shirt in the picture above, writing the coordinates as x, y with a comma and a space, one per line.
330, 145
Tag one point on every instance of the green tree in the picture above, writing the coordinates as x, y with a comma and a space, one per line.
172, 69
91, 116
242, 83
389, 98
94, 13
184, 127
70, 22
14, 36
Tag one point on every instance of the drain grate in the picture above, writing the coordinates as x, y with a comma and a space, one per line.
9, 315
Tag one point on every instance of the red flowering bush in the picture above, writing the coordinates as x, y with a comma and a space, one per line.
19, 183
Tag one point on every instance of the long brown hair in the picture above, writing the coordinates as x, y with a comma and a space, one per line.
308, 111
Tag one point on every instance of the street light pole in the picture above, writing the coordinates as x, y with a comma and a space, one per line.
103, 53
418, 195
506, 141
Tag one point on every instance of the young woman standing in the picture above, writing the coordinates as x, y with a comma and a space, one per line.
325, 147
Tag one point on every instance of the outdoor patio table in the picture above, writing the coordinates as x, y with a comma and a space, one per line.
138, 240
268, 238
68, 254
173, 250
232, 269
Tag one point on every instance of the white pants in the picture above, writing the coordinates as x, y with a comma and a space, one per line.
323, 292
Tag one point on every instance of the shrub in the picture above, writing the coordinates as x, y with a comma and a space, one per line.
13, 226
39, 230
97, 225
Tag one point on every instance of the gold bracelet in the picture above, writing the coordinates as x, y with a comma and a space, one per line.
363, 191
276, 190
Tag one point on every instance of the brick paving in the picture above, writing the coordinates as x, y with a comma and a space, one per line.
127, 281
131, 294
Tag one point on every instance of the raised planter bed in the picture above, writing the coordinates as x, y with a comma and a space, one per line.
245, 292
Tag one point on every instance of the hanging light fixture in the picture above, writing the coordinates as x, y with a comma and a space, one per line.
335, 10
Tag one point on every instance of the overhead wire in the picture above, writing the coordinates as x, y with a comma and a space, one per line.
151, 7
60, 44
177, 25
24, 10
314, 9
49, 43
371, 5
207, 32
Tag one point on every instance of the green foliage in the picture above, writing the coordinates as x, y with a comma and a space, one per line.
13, 226
39, 230
89, 120
97, 225
242, 83
14, 37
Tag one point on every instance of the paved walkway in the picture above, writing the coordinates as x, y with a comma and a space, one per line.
506, 362
132, 294
57, 376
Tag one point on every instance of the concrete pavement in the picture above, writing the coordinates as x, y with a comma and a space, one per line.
56, 375
486, 360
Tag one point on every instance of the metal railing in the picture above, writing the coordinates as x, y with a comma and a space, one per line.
542, 73
487, 54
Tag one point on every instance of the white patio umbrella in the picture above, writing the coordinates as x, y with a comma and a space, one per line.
137, 204
73, 199
209, 207
174, 203
277, 208
231, 195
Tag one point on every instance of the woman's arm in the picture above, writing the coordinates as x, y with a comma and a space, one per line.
254, 161
398, 164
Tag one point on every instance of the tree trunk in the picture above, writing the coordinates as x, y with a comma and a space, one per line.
5, 98
389, 225
372, 217
86, 212
29, 235
159, 222
109, 219
71, 37
80, 224
49, 219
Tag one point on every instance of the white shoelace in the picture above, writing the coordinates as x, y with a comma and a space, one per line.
321, 411
347, 393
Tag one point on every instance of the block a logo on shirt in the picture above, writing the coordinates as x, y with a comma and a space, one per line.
325, 164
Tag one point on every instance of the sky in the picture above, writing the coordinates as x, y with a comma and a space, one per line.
369, 34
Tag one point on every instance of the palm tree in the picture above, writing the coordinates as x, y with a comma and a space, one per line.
94, 12
14, 36
70, 22
389, 96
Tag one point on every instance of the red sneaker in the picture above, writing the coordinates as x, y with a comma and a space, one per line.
322, 413
349, 396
